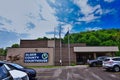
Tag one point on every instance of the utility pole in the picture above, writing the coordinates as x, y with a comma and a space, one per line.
69, 47
54, 45
60, 46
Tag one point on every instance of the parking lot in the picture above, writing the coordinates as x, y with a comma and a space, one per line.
81, 72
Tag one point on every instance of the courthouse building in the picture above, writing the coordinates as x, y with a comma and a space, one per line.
50, 52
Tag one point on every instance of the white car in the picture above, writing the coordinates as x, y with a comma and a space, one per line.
17, 75
112, 63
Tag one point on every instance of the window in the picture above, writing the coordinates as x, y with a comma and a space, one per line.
11, 67
116, 59
107, 59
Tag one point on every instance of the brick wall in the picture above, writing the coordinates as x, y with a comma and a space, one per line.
22, 51
46, 45
33, 43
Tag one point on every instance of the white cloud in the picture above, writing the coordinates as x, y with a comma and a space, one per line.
20, 12
88, 10
109, 1
93, 29
88, 18
85, 8
109, 11
53, 1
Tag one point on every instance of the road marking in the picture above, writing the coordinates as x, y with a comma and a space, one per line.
96, 76
113, 76
57, 72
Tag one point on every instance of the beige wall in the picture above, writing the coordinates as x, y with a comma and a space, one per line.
21, 51
51, 43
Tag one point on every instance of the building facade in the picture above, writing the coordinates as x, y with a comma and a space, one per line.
50, 52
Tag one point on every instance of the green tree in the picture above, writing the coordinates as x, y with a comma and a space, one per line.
82, 40
44, 38
39, 39
108, 43
93, 41
110, 37
3, 52
15, 46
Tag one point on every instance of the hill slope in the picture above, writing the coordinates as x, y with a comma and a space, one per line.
109, 37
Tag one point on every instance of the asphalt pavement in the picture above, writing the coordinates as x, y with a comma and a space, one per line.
80, 72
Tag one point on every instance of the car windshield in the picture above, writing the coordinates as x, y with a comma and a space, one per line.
3, 72
101, 58
17, 65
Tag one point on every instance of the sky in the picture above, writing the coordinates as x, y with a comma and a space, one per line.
31, 19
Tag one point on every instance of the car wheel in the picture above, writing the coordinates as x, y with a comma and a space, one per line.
94, 64
116, 68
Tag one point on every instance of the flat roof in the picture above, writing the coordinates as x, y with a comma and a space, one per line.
96, 49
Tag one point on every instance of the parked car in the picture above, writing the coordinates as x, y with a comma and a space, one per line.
4, 74
96, 62
7, 73
16, 74
112, 63
31, 72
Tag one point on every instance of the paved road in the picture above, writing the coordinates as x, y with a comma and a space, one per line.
76, 73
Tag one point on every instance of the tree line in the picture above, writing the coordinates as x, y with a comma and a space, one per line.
109, 37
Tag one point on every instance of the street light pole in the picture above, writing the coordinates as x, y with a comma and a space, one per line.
69, 48
60, 46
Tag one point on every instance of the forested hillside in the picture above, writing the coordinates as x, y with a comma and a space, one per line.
109, 37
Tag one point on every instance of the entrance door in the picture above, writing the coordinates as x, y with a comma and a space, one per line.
82, 58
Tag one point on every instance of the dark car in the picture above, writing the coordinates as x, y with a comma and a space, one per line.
31, 72
4, 74
96, 62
